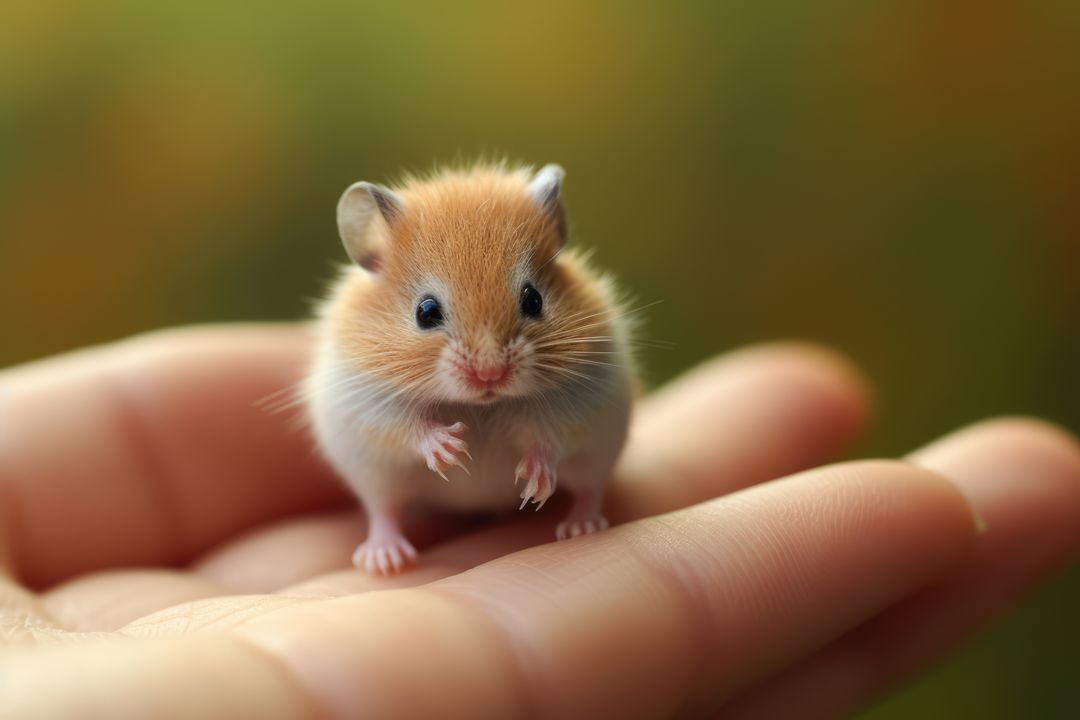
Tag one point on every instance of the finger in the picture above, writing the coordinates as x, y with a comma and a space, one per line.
150, 450
284, 552
453, 555
755, 414
172, 677
23, 617
263, 560
106, 601
655, 618
316, 550
744, 418
1023, 478
749, 416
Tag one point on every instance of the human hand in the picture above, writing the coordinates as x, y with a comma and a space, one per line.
808, 595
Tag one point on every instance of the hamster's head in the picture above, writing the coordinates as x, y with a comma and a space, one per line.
460, 295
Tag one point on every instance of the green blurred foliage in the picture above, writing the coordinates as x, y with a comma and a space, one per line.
897, 179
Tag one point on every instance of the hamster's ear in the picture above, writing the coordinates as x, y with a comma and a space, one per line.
358, 210
545, 188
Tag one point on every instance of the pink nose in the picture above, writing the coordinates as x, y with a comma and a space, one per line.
488, 373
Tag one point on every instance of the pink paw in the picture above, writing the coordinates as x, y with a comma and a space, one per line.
572, 527
384, 556
440, 447
539, 477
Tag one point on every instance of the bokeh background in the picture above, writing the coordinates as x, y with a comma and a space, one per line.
898, 179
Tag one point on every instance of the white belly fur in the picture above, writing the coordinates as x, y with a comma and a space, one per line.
497, 437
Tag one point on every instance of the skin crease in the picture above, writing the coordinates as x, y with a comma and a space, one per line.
726, 589
502, 405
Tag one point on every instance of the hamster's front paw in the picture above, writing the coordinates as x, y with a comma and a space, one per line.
440, 446
538, 472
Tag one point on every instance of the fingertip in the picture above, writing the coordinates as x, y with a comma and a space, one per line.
748, 416
1016, 472
840, 386
1023, 475
823, 365
1005, 434
818, 379
1026, 449
930, 502
814, 358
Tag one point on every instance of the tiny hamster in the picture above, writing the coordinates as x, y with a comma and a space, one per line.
465, 360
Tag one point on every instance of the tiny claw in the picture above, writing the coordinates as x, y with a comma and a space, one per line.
384, 561
440, 446
395, 558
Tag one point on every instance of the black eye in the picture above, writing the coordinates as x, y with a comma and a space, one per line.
429, 314
531, 302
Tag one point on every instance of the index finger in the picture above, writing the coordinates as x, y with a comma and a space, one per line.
660, 617
150, 450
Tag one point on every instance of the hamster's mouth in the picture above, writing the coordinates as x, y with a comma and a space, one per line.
487, 394
489, 391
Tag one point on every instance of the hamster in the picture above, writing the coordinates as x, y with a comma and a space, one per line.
465, 360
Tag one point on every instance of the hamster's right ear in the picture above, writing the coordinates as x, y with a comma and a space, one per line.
358, 211
545, 189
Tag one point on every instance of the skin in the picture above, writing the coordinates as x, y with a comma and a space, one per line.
170, 550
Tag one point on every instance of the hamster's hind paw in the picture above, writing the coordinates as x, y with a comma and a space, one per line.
539, 476
441, 446
384, 556
572, 527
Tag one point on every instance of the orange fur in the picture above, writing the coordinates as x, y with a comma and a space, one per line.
500, 390
466, 229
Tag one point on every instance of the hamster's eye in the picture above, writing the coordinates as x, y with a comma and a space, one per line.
531, 302
429, 314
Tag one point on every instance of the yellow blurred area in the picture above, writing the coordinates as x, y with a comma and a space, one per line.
897, 179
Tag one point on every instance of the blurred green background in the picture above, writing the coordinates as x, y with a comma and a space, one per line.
897, 179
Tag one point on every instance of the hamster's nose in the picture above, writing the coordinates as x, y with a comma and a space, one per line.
488, 373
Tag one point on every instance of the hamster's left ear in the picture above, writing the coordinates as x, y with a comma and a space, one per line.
359, 212
545, 189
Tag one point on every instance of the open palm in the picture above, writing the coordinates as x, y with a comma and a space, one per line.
171, 549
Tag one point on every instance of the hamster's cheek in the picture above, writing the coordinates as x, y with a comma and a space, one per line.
525, 383
445, 375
